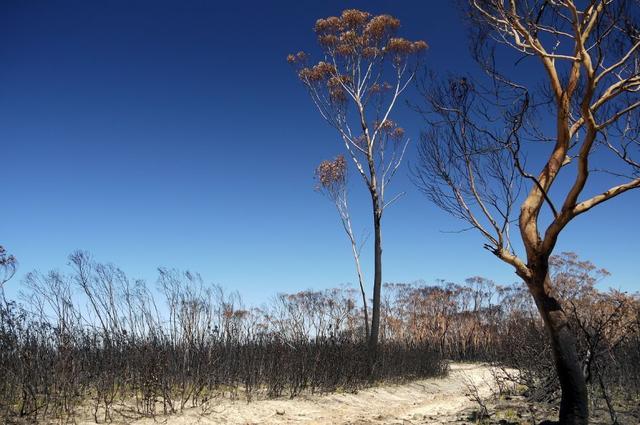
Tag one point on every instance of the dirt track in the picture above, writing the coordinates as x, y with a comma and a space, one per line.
429, 401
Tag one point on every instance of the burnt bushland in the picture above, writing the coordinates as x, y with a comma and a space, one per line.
94, 342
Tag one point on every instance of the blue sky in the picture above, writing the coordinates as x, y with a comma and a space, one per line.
175, 134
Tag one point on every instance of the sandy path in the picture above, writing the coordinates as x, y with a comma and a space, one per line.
429, 401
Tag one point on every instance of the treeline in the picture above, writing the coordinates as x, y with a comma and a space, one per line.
95, 340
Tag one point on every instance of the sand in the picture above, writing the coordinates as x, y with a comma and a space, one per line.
431, 401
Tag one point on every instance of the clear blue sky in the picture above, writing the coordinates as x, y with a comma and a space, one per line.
174, 133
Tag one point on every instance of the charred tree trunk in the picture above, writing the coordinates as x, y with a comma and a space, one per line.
574, 407
377, 280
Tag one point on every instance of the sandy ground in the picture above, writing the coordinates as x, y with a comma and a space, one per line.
432, 401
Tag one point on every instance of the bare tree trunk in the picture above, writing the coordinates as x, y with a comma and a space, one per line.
365, 308
574, 408
377, 279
